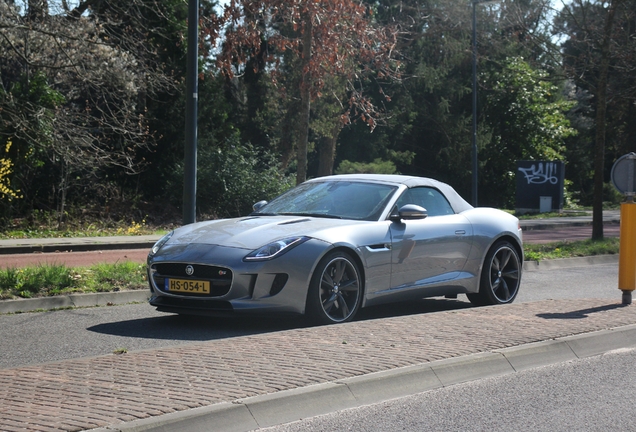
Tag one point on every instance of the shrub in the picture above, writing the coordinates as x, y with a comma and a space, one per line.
233, 177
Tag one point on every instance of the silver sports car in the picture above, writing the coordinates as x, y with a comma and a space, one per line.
333, 245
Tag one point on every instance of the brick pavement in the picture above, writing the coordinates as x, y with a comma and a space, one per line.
110, 390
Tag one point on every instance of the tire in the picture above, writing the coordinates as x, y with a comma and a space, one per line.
335, 290
500, 276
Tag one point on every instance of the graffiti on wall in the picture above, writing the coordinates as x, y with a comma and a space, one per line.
541, 173
538, 180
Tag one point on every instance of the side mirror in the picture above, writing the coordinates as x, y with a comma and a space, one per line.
259, 205
409, 212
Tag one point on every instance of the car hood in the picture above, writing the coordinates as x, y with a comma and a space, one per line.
252, 232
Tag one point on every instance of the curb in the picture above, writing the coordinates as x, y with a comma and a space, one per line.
73, 300
73, 247
76, 244
291, 405
569, 262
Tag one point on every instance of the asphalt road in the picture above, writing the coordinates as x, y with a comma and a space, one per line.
583, 395
595, 281
33, 338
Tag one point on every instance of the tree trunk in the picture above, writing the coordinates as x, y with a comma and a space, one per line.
327, 152
63, 189
601, 108
286, 144
305, 100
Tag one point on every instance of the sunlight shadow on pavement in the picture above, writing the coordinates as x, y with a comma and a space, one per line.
583, 313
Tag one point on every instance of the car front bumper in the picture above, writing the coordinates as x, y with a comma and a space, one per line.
277, 285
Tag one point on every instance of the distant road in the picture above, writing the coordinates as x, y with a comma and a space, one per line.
74, 259
568, 233
79, 259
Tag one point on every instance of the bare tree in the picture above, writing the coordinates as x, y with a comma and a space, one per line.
326, 38
73, 88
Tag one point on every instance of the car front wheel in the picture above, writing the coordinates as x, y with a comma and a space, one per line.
335, 292
500, 276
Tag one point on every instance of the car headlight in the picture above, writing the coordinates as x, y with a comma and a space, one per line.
275, 249
162, 241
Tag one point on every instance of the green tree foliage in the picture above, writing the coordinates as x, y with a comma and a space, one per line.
429, 119
378, 166
527, 119
599, 57
92, 96
232, 177
233, 174
432, 107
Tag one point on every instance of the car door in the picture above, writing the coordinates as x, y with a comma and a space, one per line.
428, 251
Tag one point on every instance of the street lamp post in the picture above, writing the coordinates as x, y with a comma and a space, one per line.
192, 95
474, 156
474, 152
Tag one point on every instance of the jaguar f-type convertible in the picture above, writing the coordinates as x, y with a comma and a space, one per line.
333, 245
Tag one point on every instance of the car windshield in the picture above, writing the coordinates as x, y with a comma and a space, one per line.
335, 199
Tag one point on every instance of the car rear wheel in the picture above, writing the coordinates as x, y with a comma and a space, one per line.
500, 277
335, 292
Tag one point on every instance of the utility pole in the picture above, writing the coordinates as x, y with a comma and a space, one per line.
192, 96
475, 162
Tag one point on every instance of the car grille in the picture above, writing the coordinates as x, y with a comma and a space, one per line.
220, 278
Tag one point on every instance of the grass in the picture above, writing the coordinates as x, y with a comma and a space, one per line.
570, 249
54, 279
45, 225
552, 215
133, 229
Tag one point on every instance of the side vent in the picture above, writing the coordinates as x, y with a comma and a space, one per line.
279, 283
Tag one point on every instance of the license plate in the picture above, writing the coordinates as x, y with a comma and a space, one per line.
188, 286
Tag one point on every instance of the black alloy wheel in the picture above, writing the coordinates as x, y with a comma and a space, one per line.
335, 292
500, 277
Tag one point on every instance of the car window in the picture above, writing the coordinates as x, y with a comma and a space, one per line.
341, 199
431, 199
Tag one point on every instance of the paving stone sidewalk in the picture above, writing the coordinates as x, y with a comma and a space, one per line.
110, 390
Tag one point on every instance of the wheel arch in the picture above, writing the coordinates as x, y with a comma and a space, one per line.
487, 292
356, 260
354, 255
514, 241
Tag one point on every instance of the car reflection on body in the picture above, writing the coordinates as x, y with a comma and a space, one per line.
333, 245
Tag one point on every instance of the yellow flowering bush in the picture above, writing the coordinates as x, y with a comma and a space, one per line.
137, 228
5, 172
